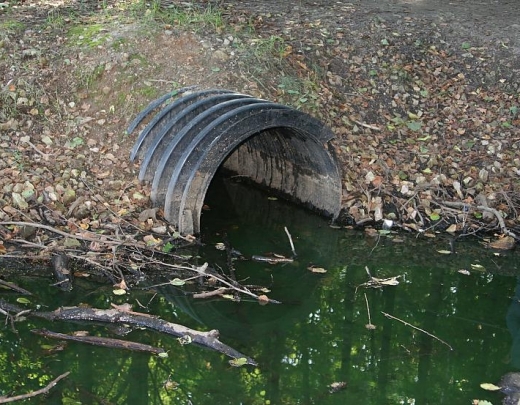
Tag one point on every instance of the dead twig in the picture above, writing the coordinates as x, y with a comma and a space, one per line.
209, 294
366, 125
369, 325
416, 328
62, 233
274, 259
290, 241
503, 228
45, 156
14, 287
44, 390
202, 271
375, 282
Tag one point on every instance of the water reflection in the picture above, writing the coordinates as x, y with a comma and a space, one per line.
316, 338
513, 324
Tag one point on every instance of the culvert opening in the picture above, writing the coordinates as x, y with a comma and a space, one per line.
271, 145
284, 162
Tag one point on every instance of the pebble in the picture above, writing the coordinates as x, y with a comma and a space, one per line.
220, 55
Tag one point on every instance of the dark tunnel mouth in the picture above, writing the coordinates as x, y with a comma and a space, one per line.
274, 146
234, 164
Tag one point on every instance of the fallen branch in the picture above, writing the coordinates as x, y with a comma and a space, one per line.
416, 328
101, 341
44, 390
136, 319
205, 339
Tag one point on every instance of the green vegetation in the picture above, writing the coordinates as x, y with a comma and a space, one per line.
88, 76
178, 15
11, 25
267, 48
90, 35
55, 19
300, 93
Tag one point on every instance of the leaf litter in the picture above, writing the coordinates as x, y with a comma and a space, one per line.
426, 121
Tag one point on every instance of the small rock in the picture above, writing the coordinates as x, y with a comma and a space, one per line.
21, 101
19, 201
483, 175
160, 230
71, 243
69, 196
220, 55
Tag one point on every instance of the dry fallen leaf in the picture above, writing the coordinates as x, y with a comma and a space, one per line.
503, 243
316, 269
119, 291
489, 387
452, 228
122, 285
263, 299
337, 386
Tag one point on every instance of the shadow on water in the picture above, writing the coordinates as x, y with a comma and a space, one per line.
316, 338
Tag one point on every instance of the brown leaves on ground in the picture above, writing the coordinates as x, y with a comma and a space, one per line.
423, 114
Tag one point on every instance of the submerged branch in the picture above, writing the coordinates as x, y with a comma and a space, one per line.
44, 390
416, 328
205, 339
14, 287
101, 341
116, 316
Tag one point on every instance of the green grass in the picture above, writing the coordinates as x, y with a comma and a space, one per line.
90, 35
55, 19
87, 77
178, 15
271, 47
11, 26
183, 17
300, 93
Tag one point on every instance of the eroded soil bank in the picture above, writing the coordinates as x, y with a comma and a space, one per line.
423, 99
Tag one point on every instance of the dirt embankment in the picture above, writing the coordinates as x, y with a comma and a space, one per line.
423, 97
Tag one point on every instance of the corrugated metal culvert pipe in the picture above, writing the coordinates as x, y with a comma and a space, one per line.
273, 145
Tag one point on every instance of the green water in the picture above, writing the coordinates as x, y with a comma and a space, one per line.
316, 337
